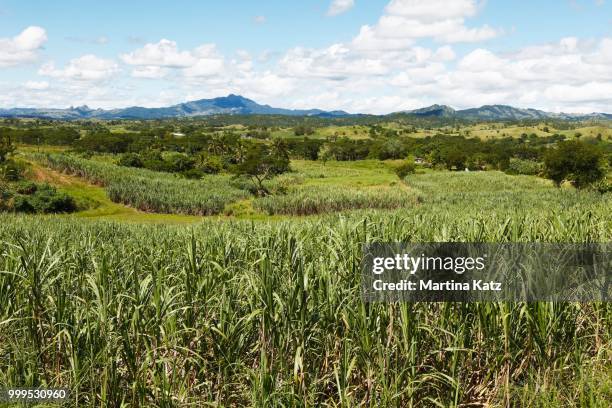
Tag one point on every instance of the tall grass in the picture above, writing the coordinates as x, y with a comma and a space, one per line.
148, 190
311, 200
269, 314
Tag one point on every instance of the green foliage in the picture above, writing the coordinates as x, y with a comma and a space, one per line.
54, 136
210, 164
6, 147
526, 167
12, 170
574, 161
147, 190
28, 197
130, 160
179, 162
261, 163
303, 130
404, 169
104, 142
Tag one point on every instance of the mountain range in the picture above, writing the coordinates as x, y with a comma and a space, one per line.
239, 105
500, 112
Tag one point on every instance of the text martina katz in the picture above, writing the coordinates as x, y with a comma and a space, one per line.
431, 285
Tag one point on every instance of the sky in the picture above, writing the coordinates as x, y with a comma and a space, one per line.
376, 56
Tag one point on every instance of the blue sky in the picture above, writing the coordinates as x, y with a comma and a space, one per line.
363, 56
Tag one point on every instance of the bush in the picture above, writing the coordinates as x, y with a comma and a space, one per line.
526, 167
575, 161
11, 170
602, 186
48, 200
194, 174
130, 160
405, 169
28, 197
211, 164
26, 187
179, 162
22, 204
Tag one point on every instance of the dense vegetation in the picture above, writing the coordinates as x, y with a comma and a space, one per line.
19, 195
269, 314
151, 191
231, 312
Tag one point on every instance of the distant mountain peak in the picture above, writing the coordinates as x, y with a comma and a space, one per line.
233, 104
433, 110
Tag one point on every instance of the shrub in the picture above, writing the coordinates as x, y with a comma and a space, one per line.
575, 161
405, 169
193, 174
131, 160
179, 162
602, 186
22, 204
12, 170
210, 164
26, 187
526, 167
48, 200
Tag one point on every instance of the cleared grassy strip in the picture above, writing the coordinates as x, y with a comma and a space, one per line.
150, 191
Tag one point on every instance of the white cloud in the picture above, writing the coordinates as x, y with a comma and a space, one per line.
259, 19
153, 60
149, 72
85, 68
165, 53
22, 48
36, 85
339, 7
405, 21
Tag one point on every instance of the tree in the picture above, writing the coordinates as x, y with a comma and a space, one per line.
454, 159
574, 161
6, 147
303, 130
130, 160
261, 163
404, 169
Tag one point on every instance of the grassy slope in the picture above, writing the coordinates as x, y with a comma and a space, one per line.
96, 204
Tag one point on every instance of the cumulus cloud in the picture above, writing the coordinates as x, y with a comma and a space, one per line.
22, 48
150, 72
153, 60
405, 21
164, 53
36, 85
338, 7
85, 68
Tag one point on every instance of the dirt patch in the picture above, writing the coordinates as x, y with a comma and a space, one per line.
49, 176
